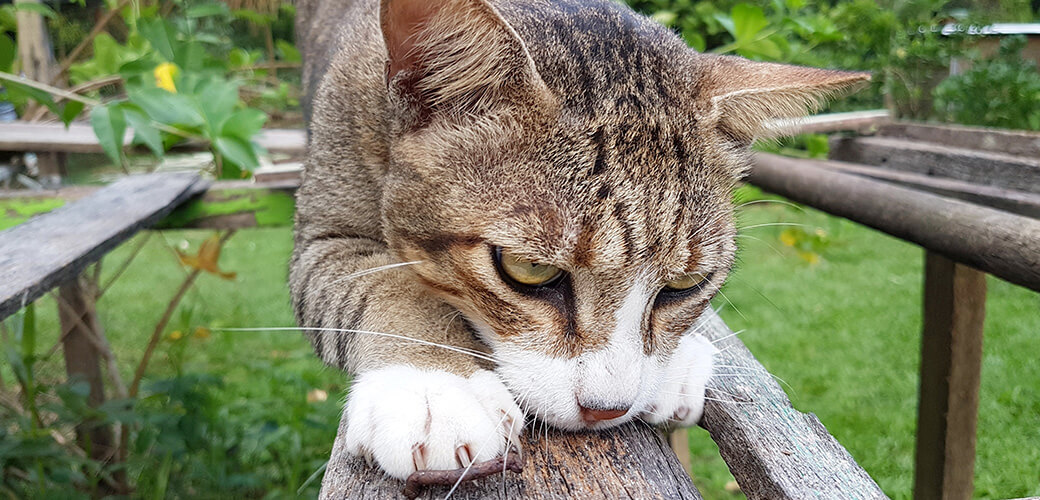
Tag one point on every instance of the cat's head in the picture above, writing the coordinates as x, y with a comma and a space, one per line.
566, 181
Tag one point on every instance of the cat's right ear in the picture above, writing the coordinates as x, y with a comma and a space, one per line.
452, 59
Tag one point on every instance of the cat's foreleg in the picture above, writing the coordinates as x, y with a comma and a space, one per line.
423, 395
680, 396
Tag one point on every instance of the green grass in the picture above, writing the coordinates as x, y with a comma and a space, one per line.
844, 333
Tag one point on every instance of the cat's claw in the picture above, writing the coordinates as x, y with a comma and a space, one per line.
410, 419
680, 400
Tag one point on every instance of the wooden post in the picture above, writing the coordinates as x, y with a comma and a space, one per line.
37, 60
951, 365
82, 358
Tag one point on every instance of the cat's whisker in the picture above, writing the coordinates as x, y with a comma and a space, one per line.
473, 459
778, 202
734, 334
769, 224
460, 350
734, 306
764, 242
387, 267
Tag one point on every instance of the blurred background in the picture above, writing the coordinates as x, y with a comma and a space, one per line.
831, 308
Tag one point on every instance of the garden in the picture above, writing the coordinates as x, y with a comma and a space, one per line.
208, 392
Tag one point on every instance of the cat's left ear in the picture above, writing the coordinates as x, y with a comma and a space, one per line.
743, 97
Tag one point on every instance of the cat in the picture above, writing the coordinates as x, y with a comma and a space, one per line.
518, 208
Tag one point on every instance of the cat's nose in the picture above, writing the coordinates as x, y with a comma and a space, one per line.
593, 415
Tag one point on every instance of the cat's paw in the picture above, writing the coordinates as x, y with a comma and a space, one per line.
680, 399
408, 419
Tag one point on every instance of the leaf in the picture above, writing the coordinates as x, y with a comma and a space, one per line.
243, 124
748, 21
206, 259
288, 50
70, 111
161, 35
37, 8
207, 10
109, 126
166, 107
217, 99
20, 93
144, 132
7, 52
237, 151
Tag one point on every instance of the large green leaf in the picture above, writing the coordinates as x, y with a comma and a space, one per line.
7, 52
216, 100
20, 93
236, 151
109, 126
748, 21
70, 111
161, 35
144, 132
243, 124
166, 107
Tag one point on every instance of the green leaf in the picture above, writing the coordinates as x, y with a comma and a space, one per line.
29, 331
696, 41
207, 10
288, 51
20, 93
7, 52
243, 124
37, 8
161, 35
70, 111
144, 132
236, 151
253, 17
109, 126
748, 21
216, 100
166, 107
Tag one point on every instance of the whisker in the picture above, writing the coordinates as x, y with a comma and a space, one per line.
460, 350
779, 202
768, 224
381, 268
473, 459
734, 334
734, 306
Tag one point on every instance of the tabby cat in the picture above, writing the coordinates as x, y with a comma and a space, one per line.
518, 208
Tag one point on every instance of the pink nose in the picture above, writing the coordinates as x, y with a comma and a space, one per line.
591, 416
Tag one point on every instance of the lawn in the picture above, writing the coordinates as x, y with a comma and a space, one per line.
838, 324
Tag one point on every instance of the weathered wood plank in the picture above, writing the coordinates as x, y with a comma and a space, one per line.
1011, 142
951, 369
773, 450
52, 248
80, 138
991, 240
863, 121
981, 167
632, 461
1009, 200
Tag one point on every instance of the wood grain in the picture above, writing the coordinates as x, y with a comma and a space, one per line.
53, 248
1011, 142
991, 240
981, 167
773, 450
951, 371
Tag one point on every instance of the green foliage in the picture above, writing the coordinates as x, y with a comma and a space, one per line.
1002, 91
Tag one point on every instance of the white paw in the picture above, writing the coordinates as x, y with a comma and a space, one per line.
408, 419
680, 399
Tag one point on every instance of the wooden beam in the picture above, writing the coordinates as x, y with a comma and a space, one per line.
860, 121
628, 462
80, 138
1021, 173
1009, 200
993, 241
1011, 142
951, 367
78, 317
774, 451
55, 247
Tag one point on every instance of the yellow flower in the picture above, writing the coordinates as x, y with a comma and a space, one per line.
176, 335
164, 74
201, 332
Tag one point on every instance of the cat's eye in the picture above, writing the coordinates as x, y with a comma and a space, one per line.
687, 282
523, 271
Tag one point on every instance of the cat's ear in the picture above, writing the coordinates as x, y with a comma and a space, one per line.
454, 58
746, 98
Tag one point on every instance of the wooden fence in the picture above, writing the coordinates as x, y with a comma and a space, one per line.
773, 450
